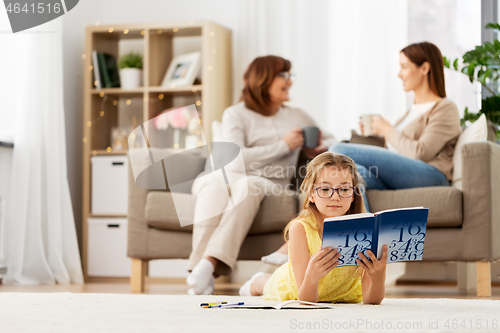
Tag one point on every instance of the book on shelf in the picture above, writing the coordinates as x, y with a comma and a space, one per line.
285, 305
97, 70
403, 230
105, 70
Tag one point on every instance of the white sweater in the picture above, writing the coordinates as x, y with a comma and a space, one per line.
260, 138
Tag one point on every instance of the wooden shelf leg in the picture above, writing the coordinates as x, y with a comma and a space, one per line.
138, 277
483, 276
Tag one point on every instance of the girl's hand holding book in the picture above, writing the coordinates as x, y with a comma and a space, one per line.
322, 263
374, 268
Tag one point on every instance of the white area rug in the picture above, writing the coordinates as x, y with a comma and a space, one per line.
75, 312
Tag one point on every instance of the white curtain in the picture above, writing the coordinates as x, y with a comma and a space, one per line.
345, 55
40, 239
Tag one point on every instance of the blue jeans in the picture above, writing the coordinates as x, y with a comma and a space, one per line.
382, 169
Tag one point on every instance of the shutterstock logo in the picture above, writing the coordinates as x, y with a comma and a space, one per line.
25, 14
159, 162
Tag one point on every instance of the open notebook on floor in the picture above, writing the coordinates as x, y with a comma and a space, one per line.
286, 305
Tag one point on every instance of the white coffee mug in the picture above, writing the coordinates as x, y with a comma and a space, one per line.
366, 120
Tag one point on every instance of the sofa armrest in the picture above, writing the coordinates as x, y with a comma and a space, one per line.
481, 201
137, 243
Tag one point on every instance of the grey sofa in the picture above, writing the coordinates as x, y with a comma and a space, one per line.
463, 225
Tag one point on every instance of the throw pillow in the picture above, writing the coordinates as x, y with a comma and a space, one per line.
477, 131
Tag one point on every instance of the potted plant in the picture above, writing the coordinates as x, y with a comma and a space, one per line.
130, 70
483, 65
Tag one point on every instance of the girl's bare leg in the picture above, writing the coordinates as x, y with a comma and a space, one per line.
283, 249
257, 286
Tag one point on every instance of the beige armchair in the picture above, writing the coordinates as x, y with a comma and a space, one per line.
463, 225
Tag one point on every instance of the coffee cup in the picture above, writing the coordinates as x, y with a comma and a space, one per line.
366, 120
311, 136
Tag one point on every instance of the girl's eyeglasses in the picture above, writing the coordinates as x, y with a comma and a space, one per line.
285, 75
326, 192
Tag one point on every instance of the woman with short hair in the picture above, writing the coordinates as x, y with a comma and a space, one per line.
270, 137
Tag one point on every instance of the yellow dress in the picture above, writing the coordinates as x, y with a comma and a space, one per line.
341, 285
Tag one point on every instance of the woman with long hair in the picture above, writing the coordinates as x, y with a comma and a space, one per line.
419, 147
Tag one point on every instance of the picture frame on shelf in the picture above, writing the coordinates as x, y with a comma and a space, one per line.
182, 70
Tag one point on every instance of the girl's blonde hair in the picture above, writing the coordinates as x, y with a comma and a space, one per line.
309, 210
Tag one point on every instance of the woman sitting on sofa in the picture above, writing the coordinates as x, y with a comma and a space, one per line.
419, 147
270, 137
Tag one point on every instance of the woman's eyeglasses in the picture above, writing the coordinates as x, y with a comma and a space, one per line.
285, 75
326, 192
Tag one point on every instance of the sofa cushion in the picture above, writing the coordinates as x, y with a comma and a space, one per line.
161, 213
275, 212
444, 203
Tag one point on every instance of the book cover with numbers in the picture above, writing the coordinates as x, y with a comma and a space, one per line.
403, 230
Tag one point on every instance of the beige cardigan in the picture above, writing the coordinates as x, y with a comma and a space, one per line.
431, 137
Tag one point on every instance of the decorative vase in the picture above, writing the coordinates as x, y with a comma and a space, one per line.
130, 78
191, 141
179, 138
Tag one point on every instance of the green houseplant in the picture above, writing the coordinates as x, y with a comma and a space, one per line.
483, 65
130, 65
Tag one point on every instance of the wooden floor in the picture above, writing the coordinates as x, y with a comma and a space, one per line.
179, 287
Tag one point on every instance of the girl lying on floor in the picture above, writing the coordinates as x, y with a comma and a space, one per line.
333, 188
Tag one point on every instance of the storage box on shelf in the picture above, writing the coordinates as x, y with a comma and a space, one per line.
105, 108
109, 185
107, 253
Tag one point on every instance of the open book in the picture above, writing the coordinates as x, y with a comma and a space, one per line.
403, 230
286, 305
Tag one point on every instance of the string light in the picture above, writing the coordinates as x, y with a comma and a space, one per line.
89, 123
94, 152
84, 56
108, 149
96, 83
200, 143
176, 145
212, 34
159, 32
160, 96
198, 132
91, 67
175, 29
143, 32
194, 90
101, 113
84, 140
110, 30
145, 99
128, 102
125, 31
115, 102
101, 94
198, 103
